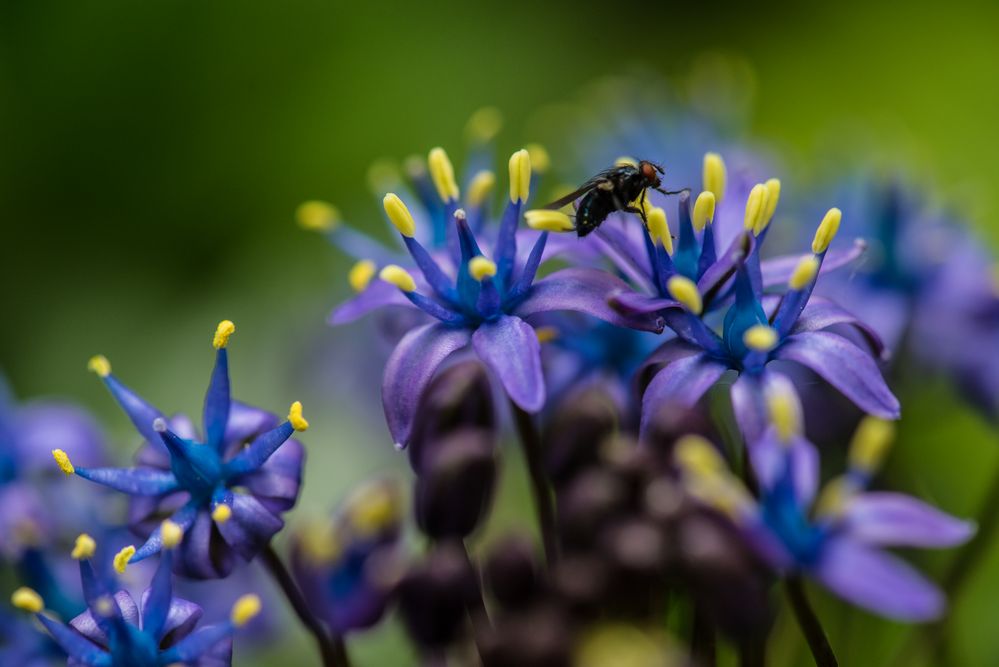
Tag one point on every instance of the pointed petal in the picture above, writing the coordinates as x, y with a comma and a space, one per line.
846, 367
747, 404
769, 456
217, 400
74, 644
585, 291
663, 355
410, 369
510, 348
203, 554
193, 646
257, 452
250, 527
821, 314
133, 481
246, 422
378, 295
681, 382
778, 270
156, 599
138, 410
895, 519
277, 483
631, 304
878, 581
182, 517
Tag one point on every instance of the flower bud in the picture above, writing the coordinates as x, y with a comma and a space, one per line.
435, 596
512, 572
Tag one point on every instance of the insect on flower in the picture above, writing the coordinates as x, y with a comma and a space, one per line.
614, 189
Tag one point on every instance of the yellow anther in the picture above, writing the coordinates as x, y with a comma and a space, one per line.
399, 215
100, 365
483, 125
222, 333
714, 175
546, 334
398, 276
172, 533
122, 557
320, 543
835, 496
298, 422
756, 205
659, 228
481, 268
245, 609
704, 210
540, 160
63, 460
698, 457
317, 216
625, 161
84, 547
383, 175
760, 337
684, 290
221, 513
520, 176
870, 443
442, 174
827, 230
360, 274
104, 606
26, 599
804, 272
773, 196
372, 508
785, 412
549, 221
480, 187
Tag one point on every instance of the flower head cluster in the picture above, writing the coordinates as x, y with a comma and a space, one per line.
225, 488
160, 630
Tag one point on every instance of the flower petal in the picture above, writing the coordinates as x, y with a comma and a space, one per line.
878, 581
846, 367
586, 291
681, 382
377, 295
895, 519
632, 304
778, 270
510, 348
821, 314
410, 369
250, 527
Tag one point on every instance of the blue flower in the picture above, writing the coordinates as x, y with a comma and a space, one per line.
114, 631
226, 489
839, 539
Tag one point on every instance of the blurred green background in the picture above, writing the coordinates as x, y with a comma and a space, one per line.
154, 153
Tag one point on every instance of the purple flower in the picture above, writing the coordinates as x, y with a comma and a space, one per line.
226, 489
28, 432
757, 328
840, 539
160, 630
481, 302
344, 566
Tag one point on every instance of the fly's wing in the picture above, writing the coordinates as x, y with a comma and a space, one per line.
598, 180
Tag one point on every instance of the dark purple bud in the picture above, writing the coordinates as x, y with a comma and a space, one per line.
587, 503
581, 582
669, 424
455, 488
512, 572
538, 637
635, 550
577, 431
435, 596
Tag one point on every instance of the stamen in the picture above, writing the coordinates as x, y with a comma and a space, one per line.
84, 547
481, 268
804, 273
399, 215
760, 338
714, 175
480, 187
835, 496
221, 513
546, 334
659, 228
827, 230
100, 365
548, 221
26, 599
697, 455
398, 276
360, 274
122, 557
442, 174
222, 333
320, 544
773, 196
685, 291
870, 444
298, 422
704, 210
483, 125
245, 609
540, 160
520, 176
172, 533
625, 161
373, 508
785, 411
62, 459
756, 205
317, 216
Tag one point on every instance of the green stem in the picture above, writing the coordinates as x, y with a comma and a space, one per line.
809, 623
530, 442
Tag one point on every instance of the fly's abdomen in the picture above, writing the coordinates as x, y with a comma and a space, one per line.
593, 210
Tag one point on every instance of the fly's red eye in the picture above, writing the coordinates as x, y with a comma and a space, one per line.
648, 171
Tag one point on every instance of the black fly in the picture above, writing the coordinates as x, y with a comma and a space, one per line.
612, 190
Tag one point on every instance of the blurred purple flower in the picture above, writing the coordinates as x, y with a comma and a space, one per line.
226, 489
